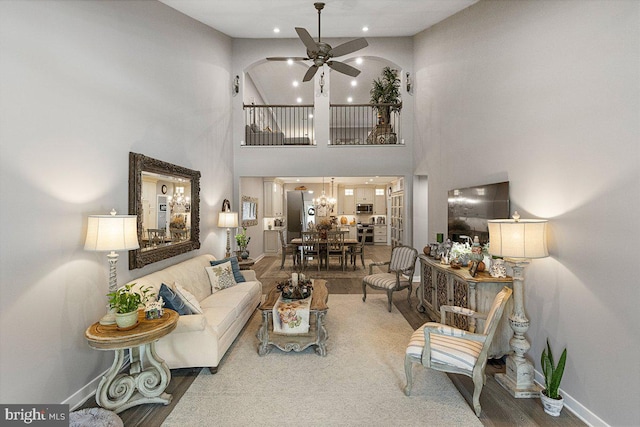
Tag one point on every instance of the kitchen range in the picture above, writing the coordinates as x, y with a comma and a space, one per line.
370, 232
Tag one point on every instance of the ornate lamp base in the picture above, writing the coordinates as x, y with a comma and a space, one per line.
518, 380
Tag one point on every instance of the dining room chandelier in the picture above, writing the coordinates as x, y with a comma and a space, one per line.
323, 201
179, 201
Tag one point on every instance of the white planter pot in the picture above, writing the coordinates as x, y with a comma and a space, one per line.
127, 320
551, 406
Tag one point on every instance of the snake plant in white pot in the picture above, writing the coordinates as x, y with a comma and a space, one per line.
551, 399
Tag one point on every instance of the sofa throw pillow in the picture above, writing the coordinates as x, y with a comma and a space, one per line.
173, 301
188, 298
235, 267
221, 276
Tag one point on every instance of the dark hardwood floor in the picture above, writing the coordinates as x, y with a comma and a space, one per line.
498, 407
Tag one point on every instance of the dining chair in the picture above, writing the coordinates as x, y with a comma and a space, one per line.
448, 349
288, 249
398, 276
311, 248
156, 236
357, 249
335, 247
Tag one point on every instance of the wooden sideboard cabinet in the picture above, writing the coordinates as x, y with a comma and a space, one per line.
443, 285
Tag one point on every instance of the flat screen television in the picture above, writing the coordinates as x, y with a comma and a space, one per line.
470, 209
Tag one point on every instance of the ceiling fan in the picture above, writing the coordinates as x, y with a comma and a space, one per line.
322, 53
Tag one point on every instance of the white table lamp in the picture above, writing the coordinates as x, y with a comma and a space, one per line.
111, 233
517, 241
228, 220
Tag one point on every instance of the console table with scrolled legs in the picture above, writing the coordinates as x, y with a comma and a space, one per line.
442, 285
148, 375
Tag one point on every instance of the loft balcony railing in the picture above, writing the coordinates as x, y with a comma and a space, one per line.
365, 124
278, 125
349, 124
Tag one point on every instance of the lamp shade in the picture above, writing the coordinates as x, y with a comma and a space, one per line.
228, 219
112, 233
526, 238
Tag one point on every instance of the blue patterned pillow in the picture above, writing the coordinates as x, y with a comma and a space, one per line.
235, 267
173, 301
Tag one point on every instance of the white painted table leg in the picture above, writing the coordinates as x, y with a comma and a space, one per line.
118, 392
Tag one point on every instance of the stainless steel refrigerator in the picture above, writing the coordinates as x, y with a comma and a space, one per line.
298, 213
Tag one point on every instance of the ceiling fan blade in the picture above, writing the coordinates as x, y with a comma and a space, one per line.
349, 47
286, 58
343, 68
306, 38
310, 73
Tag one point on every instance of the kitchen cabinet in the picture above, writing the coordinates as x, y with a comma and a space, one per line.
380, 234
380, 201
365, 195
271, 242
273, 199
442, 285
346, 200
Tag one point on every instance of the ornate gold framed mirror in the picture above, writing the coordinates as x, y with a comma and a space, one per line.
166, 200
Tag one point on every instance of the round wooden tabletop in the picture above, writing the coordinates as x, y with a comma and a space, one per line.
109, 337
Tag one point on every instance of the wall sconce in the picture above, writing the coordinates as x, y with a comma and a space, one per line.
322, 83
408, 82
236, 85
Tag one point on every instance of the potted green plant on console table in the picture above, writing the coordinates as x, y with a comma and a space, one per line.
551, 400
243, 241
126, 302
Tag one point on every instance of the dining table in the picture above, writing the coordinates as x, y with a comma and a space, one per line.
348, 244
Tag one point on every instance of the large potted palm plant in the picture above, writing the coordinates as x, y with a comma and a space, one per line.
385, 99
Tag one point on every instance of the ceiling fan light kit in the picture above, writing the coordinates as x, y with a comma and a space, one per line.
322, 53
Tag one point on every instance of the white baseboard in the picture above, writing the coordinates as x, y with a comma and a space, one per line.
574, 406
78, 398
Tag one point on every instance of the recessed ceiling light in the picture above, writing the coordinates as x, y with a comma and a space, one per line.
349, 99
365, 28
358, 60
295, 83
298, 100
276, 30
290, 61
354, 83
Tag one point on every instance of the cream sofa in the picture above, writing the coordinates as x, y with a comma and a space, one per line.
200, 340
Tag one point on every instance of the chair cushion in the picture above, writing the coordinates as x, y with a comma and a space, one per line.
452, 351
385, 281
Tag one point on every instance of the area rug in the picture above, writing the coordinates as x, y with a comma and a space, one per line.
334, 272
358, 383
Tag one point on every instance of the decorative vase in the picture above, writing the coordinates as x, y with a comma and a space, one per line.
244, 254
126, 321
551, 406
427, 250
323, 234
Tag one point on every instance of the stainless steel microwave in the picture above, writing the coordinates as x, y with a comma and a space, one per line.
364, 208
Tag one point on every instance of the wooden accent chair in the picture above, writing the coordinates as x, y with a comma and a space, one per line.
311, 248
336, 248
399, 275
288, 249
356, 250
445, 348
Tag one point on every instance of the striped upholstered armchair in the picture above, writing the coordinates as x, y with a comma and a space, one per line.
399, 275
445, 348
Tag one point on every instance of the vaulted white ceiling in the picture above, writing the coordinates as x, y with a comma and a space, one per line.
340, 18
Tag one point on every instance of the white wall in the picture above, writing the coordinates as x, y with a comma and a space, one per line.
546, 95
82, 83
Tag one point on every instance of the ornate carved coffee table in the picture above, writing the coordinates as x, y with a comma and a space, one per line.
317, 334
143, 384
